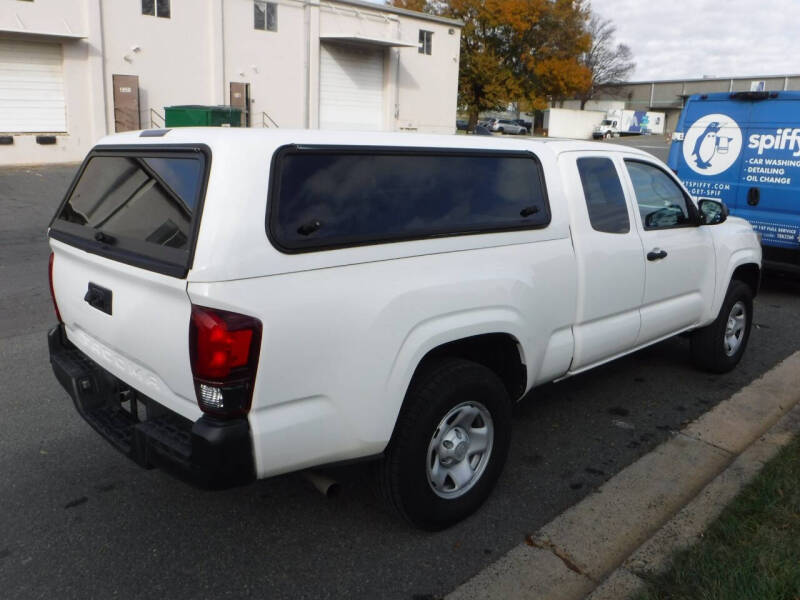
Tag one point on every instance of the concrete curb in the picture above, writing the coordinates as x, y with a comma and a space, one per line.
657, 505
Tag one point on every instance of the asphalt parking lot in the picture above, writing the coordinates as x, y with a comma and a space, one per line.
654, 144
79, 520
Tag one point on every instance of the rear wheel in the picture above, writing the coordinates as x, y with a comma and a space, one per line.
719, 347
449, 446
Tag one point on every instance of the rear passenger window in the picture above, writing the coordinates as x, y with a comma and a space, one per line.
608, 210
324, 197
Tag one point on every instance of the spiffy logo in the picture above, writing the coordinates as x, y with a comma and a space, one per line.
712, 144
711, 128
783, 139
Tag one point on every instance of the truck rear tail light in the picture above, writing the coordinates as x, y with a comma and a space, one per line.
52, 291
224, 348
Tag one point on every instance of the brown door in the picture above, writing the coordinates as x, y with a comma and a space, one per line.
240, 98
126, 102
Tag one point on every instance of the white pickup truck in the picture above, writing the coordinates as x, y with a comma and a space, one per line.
234, 304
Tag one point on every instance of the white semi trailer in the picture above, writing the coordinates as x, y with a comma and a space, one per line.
629, 122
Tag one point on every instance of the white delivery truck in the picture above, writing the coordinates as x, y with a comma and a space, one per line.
629, 122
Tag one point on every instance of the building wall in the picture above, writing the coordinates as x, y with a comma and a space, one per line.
45, 21
668, 96
193, 56
637, 97
52, 16
172, 57
574, 124
601, 105
274, 63
343, 20
420, 90
771, 84
428, 84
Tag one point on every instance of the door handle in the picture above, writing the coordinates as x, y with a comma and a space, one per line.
753, 196
656, 254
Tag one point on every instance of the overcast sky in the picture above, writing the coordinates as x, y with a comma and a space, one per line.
690, 38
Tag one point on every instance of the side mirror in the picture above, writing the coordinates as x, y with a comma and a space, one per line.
712, 212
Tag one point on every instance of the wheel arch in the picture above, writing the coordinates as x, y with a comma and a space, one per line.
742, 265
750, 274
501, 353
498, 350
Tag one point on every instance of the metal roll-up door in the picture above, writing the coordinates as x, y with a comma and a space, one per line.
31, 88
351, 88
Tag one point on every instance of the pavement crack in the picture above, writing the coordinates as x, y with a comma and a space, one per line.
569, 562
699, 438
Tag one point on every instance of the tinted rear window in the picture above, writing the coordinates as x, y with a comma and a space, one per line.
333, 198
141, 205
608, 210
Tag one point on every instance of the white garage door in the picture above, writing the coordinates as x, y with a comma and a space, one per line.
31, 88
350, 88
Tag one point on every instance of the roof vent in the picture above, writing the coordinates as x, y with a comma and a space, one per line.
154, 132
749, 95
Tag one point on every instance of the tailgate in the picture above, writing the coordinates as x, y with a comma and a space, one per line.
123, 241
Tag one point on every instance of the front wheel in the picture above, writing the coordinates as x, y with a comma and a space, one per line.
449, 445
720, 346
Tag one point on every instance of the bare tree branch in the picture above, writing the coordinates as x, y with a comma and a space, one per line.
609, 64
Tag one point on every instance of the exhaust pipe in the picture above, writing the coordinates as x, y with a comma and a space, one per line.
324, 485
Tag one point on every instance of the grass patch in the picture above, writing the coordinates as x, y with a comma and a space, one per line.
752, 550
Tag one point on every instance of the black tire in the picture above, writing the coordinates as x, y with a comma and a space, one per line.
501, 130
709, 349
403, 473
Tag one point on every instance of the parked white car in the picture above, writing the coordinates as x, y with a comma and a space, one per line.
508, 126
235, 304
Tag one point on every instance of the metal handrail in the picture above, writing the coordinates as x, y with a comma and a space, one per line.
153, 116
264, 117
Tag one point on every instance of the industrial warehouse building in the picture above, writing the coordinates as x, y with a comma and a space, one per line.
669, 96
72, 71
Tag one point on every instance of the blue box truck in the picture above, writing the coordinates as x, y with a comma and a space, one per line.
744, 148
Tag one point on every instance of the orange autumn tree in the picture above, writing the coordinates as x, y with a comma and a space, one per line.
420, 5
516, 50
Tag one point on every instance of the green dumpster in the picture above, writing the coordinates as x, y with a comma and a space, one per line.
202, 116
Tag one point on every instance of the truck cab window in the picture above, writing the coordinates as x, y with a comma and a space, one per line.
662, 203
156, 8
608, 211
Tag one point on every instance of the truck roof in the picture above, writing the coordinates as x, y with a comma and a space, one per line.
219, 138
782, 95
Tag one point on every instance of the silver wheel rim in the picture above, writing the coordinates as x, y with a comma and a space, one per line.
460, 449
734, 328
